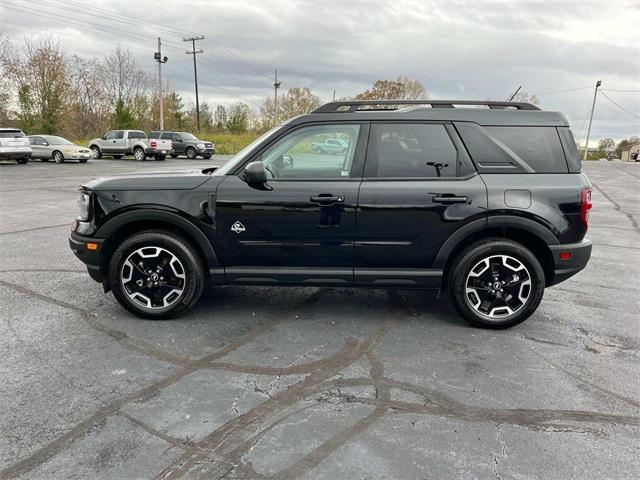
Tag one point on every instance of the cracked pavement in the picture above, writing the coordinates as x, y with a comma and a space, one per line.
313, 383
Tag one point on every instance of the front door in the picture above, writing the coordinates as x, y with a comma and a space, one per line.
302, 227
113, 142
419, 187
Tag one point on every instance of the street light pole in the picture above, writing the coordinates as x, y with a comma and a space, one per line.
593, 106
160, 59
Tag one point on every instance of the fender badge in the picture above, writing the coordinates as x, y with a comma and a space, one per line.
238, 227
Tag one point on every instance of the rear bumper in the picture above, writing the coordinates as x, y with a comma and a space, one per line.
578, 253
15, 154
91, 258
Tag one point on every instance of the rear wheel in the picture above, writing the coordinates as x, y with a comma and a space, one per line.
496, 283
206, 156
58, 157
138, 154
23, 160
117, 157
174, 155
156, 275
191, 153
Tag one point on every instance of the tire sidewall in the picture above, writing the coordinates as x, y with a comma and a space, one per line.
177, 246
139, 154
191, 153
474, 254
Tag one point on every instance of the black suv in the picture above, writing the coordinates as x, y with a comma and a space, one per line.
487, 203
184, 143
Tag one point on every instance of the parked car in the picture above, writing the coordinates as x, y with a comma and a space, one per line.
14, 145
330, 145
186, 144
488, 204
47, 147
118, 143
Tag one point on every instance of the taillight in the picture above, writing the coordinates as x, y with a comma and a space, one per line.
153, 144
585, 205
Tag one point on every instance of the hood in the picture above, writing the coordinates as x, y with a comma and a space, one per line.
154, 180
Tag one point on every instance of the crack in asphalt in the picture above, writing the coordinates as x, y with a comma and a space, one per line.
618, 208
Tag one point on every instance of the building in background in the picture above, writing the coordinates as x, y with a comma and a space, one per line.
631, 154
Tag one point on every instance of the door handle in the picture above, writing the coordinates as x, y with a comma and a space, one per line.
449, 198
327, 199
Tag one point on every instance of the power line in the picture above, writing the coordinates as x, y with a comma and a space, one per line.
614, 90
561, 91
619, 106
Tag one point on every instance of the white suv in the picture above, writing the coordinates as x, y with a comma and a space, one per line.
14, 145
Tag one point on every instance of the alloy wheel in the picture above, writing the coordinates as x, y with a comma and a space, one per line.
153, 277
498, 286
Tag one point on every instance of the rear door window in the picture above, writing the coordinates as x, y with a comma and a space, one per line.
411, 150
538, 147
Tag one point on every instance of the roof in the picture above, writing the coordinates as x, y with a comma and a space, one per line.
485, 113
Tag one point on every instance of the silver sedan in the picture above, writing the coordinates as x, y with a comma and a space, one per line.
47, 147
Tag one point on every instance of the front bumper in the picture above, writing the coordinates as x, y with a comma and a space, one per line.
569, 259
79, 245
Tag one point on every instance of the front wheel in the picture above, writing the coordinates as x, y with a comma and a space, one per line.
191, 153
206, 156
57, 156
156, 275
496, 283
95, 152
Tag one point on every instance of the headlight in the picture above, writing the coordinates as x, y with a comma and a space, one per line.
84, 203
200, 146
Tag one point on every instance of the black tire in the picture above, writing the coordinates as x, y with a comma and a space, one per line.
22, 161
160, 158
97, 153
206, 156
58, 157
83, 160
506, 255
174, 155
117, 157
138, 154
173, 244
191, 153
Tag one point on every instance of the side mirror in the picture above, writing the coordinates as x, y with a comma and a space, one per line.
256, 176
104, 137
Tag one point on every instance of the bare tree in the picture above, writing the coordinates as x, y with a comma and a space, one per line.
123, 79
89, 107
402, 88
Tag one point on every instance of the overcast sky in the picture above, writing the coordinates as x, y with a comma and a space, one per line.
461, 50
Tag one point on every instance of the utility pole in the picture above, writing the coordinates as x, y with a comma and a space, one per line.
160, 59
194, 52
276, 86
593, 106
334, 95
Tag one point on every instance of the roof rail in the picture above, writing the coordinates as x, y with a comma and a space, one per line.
350, 106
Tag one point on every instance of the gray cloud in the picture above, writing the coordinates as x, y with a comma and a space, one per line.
473, 50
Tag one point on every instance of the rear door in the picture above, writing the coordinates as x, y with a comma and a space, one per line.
302, 227
419, 187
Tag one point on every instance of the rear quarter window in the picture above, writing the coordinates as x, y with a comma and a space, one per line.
11, 134
538, 147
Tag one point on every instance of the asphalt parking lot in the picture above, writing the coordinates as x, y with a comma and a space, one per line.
317, 383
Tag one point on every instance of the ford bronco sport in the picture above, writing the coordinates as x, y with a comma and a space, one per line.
487, 203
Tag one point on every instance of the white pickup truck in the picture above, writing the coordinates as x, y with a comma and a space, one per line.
14, 145
118, 143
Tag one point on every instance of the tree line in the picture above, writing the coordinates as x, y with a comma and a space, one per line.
44, 89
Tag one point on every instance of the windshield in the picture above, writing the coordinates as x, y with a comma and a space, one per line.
242, 154
187, 136
58, 141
